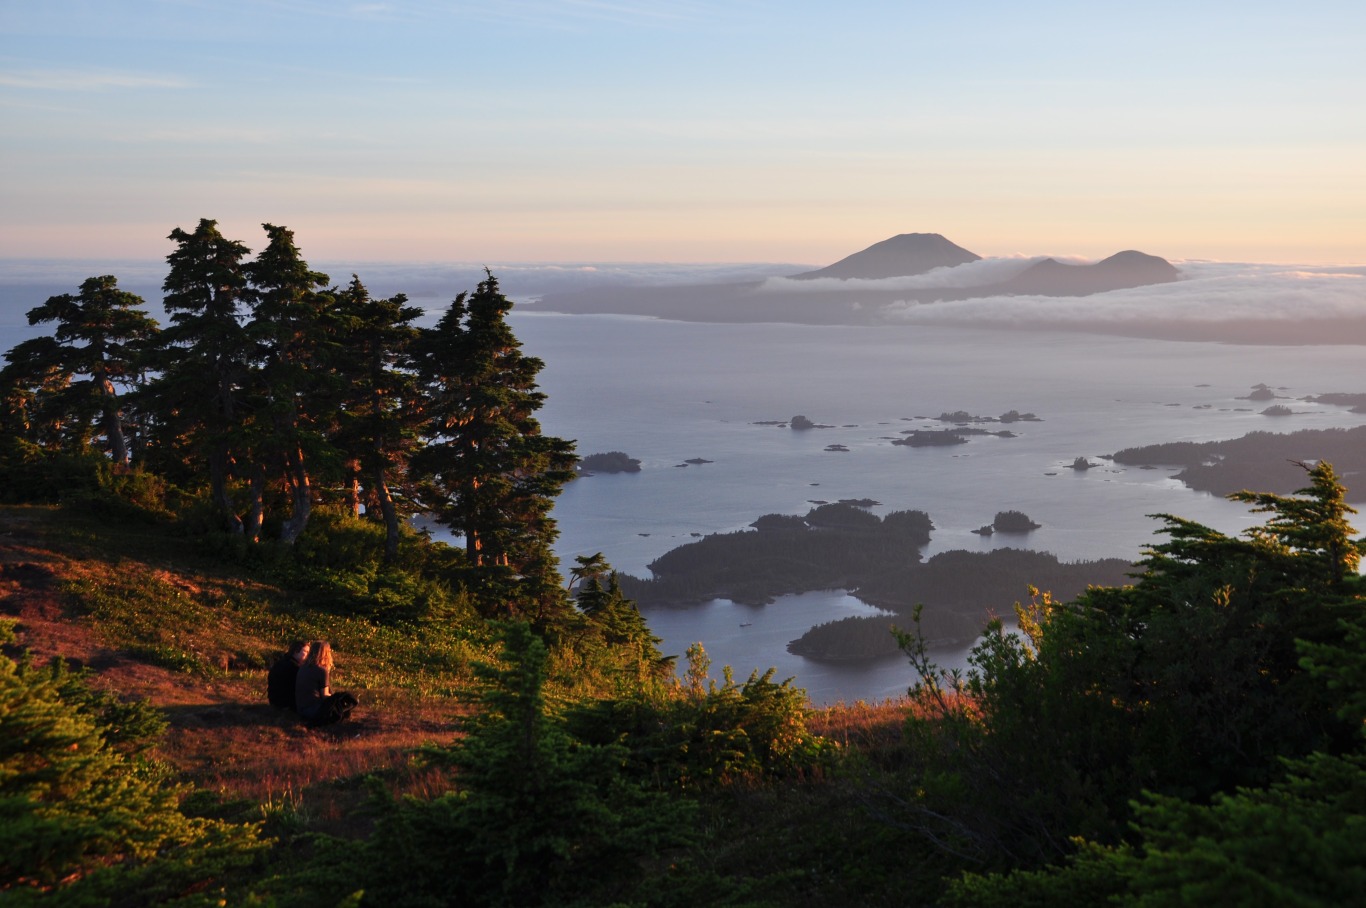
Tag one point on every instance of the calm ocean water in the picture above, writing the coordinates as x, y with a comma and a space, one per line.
667, 392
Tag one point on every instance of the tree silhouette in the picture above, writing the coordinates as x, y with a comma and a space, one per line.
204, 359
69, 381
490, 474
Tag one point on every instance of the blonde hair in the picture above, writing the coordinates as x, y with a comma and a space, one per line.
320, 654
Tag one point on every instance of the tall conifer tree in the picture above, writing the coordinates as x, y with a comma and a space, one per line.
291, 346
493, 477
379, 415
73, 375
204, 356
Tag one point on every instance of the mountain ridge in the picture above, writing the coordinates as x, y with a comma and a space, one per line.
1120, 271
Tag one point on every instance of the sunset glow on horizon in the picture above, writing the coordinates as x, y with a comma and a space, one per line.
423, 130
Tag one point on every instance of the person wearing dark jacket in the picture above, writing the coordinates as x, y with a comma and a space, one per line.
313, 689
284, 675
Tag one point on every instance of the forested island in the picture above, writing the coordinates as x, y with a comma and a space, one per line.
844, 546
1258, 460
608, 462
832, 547
179, 503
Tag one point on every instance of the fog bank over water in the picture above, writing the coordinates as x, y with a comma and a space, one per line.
28, 282
1209, 298
981, 273
1206, 292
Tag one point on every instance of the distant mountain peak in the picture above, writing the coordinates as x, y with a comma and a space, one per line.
1132, 257
1129, 268
901, 255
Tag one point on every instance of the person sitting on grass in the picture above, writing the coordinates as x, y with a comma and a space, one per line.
313, 690
284, 675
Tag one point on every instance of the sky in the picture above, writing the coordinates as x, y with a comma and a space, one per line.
685, 130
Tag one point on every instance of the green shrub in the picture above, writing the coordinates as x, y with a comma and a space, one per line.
705, 734
83, 824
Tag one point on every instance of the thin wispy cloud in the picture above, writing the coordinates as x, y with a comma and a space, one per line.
88, 80
535, 13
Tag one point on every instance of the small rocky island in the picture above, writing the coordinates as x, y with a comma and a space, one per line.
1008, 522
963, 417
802, 423
608, 462
930, 438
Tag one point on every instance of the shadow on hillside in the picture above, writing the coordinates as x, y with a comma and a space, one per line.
195, 716
223, 715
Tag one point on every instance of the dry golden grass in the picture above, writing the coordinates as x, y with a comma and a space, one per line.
222, 735
861, 724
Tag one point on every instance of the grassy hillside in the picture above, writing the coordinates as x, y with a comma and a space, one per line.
189, 625
150, 614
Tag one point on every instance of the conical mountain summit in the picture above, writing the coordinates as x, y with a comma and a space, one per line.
908, 253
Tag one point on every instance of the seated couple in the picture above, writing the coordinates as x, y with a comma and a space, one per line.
301, 680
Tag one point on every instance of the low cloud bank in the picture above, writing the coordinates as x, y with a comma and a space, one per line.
981, 273
1207, 292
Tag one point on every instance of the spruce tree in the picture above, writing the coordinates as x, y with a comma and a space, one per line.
291, 348
35, 388
540, 817
71, 379
492, 477
204, 359
380, 411
1312, 526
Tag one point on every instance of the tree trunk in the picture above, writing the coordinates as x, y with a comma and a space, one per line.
351, 497
386, 508
218, 487
256, 510
301, 497
113, 426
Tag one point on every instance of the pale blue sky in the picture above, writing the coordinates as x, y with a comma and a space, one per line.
697, 130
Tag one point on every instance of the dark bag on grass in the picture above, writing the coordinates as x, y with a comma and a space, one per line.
334, 709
